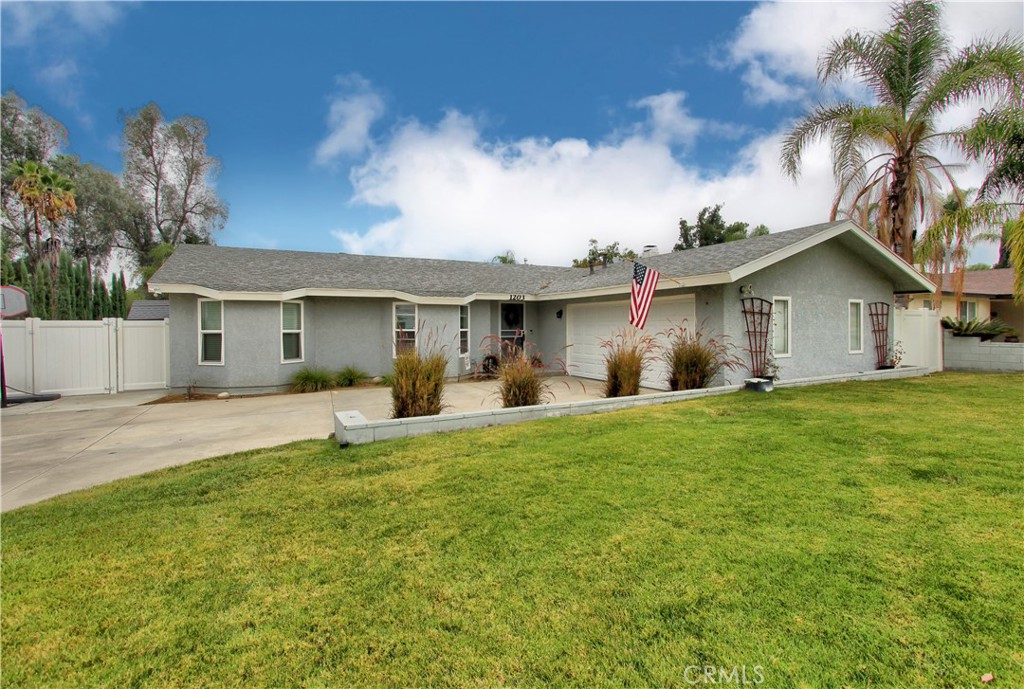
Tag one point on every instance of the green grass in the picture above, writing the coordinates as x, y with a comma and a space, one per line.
865, 534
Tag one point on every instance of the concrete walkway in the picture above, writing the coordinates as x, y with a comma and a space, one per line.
51, 448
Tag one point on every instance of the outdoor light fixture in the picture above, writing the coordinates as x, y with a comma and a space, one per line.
558, 314
746, 290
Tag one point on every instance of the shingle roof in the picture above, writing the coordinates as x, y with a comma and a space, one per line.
704, 260
993, 283
150, 310
270, 270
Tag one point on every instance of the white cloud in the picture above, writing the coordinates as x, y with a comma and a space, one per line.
777, 45
353, 110
456, 194
669, 121
27, 23
63, 79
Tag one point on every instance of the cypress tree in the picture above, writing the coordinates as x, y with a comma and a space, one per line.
100, 299
24, 279
84, 291
6, 270
65, 288
122, 296
43, 292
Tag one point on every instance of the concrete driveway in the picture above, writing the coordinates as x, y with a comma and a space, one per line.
52, 448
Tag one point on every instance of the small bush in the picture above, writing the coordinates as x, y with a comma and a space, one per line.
417, 383
693, 359
349, 376
628, 356
312, 380
985, 329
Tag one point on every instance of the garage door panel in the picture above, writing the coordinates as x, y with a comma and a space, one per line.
589, 324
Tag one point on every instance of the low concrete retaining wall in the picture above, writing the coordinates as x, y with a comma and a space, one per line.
352, 428
971, 354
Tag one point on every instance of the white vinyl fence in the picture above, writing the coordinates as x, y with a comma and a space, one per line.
919, 332
85, 357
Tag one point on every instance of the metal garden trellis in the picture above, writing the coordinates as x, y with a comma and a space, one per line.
879, 314
757, 313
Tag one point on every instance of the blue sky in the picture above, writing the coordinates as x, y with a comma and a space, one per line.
460, 129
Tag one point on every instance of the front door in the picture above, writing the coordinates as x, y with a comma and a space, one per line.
512, 321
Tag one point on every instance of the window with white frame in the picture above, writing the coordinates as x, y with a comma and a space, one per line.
464, 330
968, 310
291, 331
211, 332
405, 328
856, 326
782, 320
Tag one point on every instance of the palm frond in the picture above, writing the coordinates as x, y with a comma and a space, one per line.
864, 56
822, 122
984, 69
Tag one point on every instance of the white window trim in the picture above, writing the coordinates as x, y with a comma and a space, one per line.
201, 332
394, 325
859, 350
964, 304
301, 331
469, 340
789, 326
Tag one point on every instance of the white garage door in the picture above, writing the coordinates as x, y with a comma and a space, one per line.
588, 324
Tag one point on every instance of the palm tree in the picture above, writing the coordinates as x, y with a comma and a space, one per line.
885, 152
44, 193
508, 258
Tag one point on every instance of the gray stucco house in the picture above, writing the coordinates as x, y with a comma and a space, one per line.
248, 319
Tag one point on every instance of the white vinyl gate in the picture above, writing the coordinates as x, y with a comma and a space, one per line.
85, 357
919, 332
588, 324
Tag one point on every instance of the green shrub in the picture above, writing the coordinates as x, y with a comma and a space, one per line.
693, 359
985, 329
417, 383
312, 380
627, 357
349, 376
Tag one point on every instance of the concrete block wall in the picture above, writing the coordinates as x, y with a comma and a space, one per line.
971, 354
352, 428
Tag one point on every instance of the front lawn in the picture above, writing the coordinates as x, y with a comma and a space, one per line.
863, 534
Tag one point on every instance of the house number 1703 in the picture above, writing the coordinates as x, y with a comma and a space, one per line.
517, 297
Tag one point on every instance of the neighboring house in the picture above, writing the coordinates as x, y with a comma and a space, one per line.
150, 310
248, 319
986, 294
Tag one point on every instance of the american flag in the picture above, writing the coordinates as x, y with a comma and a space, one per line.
645, 281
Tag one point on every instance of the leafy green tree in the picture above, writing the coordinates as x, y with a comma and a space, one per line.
168, 171
710, 228
508, 258
603, 255
978, 266
760, 231
159, 254
885, 152
106, 215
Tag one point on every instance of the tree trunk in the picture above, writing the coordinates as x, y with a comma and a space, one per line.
902, 243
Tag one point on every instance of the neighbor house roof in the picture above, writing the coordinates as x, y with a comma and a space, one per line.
150, 310
989, 283
225, 272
